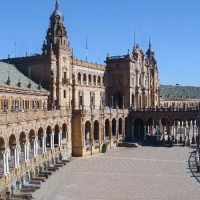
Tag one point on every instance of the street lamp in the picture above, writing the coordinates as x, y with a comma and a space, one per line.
198, 118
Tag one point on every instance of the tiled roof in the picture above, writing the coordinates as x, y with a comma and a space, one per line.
8, 70
179, 92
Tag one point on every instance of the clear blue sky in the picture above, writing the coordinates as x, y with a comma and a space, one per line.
173, 25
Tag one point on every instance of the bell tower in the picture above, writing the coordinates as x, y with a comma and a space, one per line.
56, 44
56, 34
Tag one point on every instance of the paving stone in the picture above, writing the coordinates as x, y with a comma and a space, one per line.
125, 173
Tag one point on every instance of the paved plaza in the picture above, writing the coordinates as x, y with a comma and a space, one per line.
125, 173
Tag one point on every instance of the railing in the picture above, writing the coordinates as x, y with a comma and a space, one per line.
4, 181
115, 57
167, 109
10, 117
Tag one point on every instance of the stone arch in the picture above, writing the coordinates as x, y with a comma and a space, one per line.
56, 134
22, 140
40, 136
107, 129
2, 147
48, 138
12, 144
84, 79
151, 126
120, 127
32, 136
87, 132
89, 79
94, 80
96, 131
64, 134
79, 78
139, 129
114, 128
99, 81
118, 100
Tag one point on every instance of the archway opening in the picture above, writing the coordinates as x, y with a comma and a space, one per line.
2, 147
56, 135
96, 131
22, 140
107, 123
31, 138
139, 129
118, 100
12, 144
40, 136
114, 128
64, 134
120, 127
48, 138
87, 133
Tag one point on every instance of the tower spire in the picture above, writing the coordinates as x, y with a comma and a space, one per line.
57, 5
134, 38
149, 43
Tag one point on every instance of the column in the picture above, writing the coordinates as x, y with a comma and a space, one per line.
157, 133
59, 139
15, 156
28, 147
53, 141
34, 148
163, 133
193, 138
18, 156
132, 131
145, 133
4, 164
25, 152
7, 164
36, 141
181, 139
43, 143
112, 97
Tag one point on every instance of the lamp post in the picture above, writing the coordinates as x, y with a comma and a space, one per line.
198, 133
197, 150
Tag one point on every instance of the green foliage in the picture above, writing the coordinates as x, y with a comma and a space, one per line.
104, 148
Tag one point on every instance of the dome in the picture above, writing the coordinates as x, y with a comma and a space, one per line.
56, 15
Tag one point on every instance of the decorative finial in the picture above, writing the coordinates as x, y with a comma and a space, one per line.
149, 43
57, 5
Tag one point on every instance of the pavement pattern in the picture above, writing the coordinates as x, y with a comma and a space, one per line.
157, 173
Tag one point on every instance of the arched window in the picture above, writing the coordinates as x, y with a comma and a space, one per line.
89, 80
79, 78
94, 80
84, 79
99, 81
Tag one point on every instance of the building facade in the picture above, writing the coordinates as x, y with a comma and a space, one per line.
54, 106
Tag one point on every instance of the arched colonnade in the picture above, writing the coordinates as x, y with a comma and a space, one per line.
22, 146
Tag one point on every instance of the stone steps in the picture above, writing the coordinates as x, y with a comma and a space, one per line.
126, 144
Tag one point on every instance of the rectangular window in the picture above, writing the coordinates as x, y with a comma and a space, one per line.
64, 93
64, 75
92, 99
81, 98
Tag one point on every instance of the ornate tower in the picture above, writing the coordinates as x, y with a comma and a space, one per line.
57, 45
154, 91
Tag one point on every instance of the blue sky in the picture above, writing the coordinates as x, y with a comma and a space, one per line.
173, 26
